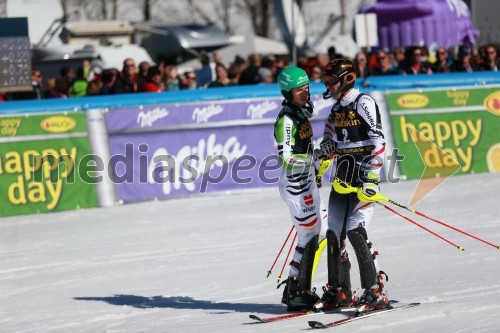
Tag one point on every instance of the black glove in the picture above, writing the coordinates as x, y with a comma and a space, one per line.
328, 146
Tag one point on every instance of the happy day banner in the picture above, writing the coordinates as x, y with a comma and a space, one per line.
441, 132
41, 162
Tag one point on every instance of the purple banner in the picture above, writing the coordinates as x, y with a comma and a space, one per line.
155, 160
155, 116
172, 163
434, 23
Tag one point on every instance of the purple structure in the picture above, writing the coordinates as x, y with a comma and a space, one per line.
434, 23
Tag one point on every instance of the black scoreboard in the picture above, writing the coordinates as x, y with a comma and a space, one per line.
15, 55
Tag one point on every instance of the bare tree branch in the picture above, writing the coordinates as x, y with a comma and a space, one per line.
104, 9
223, 13
204, 16
114, 9
64, 6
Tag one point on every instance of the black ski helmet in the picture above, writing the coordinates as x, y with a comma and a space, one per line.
344, 71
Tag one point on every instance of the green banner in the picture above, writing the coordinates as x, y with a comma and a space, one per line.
24, 125
42, 174
441, 132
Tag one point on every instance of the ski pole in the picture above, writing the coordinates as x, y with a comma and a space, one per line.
286, 260
420, 226
279, 253
345, 188
442, 223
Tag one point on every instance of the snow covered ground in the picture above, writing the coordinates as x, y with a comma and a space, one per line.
199, 264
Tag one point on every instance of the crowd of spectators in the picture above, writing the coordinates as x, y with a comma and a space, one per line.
256, 69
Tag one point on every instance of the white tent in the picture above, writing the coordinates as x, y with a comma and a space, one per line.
251, 44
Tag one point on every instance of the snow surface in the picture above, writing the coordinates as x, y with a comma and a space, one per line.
199, 264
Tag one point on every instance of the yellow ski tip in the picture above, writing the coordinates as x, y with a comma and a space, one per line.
461, 248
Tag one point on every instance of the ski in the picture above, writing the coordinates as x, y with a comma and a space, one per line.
393, 306
299, 314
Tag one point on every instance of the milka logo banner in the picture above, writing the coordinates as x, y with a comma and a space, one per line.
259, 110
203, 114
148, 118
163, 164
118, 120
182, 167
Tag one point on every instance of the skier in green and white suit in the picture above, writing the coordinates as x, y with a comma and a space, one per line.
297, 185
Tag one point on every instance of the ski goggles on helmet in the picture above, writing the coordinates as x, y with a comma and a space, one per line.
330, 80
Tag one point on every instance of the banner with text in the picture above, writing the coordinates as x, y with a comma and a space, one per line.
148, 162
158, 116
441, 132
41, 160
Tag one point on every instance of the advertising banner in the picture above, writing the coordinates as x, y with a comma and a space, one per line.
171, 115
185, 162
41, 163
22, 126
214, 155
441, 132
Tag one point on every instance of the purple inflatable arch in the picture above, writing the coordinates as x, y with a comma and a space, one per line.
434, 23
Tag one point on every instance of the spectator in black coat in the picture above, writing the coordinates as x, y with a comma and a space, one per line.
462, 63
443, 63
127, 82
490, 61
250, 75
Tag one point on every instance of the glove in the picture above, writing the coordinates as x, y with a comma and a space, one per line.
317, 154
369, 189
328, 146
319, 179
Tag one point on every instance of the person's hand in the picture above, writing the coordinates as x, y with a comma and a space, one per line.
318, 154
369, 189
328, 146
319, 181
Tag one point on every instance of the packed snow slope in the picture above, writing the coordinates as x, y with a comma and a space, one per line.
199, 264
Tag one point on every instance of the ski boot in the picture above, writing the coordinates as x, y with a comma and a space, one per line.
335, 298
375, 297
298, 300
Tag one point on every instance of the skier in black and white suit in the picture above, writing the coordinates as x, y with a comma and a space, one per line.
353, 132
297, 185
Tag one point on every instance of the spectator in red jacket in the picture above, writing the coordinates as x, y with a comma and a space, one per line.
153, 80
414, 63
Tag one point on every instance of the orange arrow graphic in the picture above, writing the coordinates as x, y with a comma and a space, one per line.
438, 166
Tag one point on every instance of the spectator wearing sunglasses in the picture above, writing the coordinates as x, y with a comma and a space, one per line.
490, 59
127, 82
385, 64
414, 62
443, 63
189, 80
